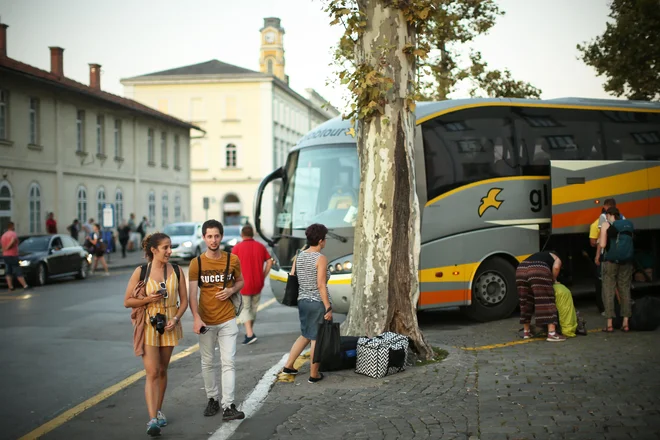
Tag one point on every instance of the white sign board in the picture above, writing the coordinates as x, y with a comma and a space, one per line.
108, 215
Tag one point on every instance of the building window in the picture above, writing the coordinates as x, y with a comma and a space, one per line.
119, 207
269, 63
177, 153
35, 209
4, 114
163, 149
152, 208
6, 200
80, 131
166, 208
100, 200
177, 206
231, 156
34, 121
150, 147
100, 147
82, 205
118, 152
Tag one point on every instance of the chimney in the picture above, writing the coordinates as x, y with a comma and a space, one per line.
57, 60
95, 76
3, 40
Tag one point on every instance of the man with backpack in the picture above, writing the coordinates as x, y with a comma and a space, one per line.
218, 276
616, 238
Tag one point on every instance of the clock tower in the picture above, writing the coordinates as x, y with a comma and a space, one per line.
271, 60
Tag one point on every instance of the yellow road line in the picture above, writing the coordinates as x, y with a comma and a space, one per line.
512, 343
95, 400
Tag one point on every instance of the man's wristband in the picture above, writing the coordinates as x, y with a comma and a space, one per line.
328, 310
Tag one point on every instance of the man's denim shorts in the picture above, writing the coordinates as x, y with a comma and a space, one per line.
311, 315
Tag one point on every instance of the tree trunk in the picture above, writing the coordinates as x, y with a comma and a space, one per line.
387, 242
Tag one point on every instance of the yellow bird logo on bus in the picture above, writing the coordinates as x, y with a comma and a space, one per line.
490, 201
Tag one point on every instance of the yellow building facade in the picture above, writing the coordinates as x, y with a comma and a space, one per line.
250, 119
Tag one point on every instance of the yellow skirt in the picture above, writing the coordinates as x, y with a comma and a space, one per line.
168, 338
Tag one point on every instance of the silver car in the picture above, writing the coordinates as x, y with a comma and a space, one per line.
187, 240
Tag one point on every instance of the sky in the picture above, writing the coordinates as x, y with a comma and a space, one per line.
535, 39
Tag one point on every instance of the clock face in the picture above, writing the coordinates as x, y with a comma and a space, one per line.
270, 37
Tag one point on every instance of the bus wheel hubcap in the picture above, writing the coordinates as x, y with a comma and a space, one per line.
491, 289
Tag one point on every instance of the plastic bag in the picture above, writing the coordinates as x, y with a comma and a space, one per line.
566, 309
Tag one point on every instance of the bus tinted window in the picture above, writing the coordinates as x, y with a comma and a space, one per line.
631, 135
546, 134
467, 146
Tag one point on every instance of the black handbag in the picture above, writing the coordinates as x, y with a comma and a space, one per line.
291, 291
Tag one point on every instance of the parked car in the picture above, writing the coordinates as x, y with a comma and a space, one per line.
231, 237
187, 240
46, 257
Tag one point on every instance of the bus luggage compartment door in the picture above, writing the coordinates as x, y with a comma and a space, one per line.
579, 188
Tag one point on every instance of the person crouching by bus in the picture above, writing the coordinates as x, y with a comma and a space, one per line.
535, 277
159, 300
617, 268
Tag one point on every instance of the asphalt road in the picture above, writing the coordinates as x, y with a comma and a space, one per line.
67, 341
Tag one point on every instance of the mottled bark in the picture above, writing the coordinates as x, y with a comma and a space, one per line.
387, 246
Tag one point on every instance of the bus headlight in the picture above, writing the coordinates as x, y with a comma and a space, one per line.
341, 266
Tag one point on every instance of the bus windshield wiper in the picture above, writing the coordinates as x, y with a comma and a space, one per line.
337, 237
330, 234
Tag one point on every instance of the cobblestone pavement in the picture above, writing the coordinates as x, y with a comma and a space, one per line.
599, 386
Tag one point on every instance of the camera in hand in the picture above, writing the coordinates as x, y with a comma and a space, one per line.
159, 321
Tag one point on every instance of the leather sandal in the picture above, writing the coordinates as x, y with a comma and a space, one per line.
608, 329
625, 329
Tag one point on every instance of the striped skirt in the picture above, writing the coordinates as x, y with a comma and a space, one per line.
536, 294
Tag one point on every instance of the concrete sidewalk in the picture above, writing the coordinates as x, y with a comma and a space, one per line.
133, 259
604, 385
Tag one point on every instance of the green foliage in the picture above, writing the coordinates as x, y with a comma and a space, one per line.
441, 31
628, 52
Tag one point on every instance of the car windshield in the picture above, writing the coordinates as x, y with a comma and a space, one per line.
34, 244
232, 231
178, 230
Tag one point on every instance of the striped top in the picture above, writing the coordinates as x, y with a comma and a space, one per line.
168, 307
307, 273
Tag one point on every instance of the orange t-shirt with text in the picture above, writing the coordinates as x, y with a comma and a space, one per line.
212, 310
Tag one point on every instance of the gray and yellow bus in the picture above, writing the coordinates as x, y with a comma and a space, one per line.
498, 180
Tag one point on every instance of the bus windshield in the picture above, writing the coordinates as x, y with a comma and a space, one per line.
323, 187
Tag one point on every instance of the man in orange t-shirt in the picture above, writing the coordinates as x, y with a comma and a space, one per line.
215, 317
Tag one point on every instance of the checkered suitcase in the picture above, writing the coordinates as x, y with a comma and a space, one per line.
382, 355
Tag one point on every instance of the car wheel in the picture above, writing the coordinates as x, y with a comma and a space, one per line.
84, 268
41, 276
494, 293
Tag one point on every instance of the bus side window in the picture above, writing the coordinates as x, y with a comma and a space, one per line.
468, 146
556, 134
632, 135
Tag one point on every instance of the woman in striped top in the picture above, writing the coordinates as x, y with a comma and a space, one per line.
313, 298
164, 293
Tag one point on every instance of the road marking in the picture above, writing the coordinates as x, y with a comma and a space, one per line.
253, 402
512, 343
95, 400
73, 412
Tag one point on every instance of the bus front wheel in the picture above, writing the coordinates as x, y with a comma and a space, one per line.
494, 294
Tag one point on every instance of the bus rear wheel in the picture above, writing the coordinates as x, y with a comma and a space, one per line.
494, 293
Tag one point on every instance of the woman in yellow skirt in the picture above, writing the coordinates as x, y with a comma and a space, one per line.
159, 301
